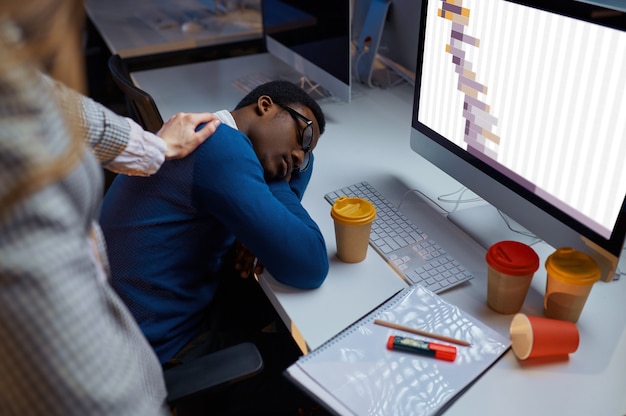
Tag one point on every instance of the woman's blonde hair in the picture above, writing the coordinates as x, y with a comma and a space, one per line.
51, 31
47, 39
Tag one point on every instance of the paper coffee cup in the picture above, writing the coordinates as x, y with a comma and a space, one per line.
511, 266
533, 337
570, 277
353, 219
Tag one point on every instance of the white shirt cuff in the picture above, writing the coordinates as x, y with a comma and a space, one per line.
143, 155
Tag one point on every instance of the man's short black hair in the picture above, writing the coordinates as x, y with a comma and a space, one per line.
286, 93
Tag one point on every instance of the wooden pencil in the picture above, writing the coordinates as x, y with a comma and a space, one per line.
420, 332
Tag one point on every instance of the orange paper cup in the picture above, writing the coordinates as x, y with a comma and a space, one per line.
532, 337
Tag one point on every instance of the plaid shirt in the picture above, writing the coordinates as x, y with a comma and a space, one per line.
68, 346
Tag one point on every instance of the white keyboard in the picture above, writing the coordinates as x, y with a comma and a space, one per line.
404, 245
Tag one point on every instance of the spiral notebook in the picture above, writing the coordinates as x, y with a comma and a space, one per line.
355, 374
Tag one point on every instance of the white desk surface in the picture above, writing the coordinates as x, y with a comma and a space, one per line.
122, 24
368, 139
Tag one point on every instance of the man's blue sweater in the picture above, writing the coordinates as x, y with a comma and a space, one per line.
167, 234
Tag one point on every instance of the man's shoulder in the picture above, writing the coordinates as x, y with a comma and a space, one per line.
224, 138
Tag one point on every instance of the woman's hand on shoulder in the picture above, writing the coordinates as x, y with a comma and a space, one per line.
180, 135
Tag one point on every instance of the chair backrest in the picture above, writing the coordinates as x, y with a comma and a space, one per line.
142, 106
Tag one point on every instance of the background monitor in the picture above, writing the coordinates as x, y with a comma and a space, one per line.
313, 37
524, 102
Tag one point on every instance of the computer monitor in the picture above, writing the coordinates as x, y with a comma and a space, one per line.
524, 102
313, 37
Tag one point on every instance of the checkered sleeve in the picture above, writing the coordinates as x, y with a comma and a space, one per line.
119, 144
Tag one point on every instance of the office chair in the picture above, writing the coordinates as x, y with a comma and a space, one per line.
209, 373
141, 105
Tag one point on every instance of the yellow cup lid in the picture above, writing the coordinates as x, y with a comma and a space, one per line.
353, 211
572, 266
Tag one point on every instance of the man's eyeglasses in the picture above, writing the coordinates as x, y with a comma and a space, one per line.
306, 135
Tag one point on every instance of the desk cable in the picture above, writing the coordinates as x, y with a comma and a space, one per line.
459, 200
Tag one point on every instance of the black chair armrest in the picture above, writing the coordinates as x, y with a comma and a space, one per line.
211, 371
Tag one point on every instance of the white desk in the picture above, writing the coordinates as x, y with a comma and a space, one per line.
369, 140
123, 26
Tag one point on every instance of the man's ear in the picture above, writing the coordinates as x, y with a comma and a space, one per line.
264, 104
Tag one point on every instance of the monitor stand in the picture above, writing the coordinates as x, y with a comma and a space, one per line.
486, 225
248, 82
388, 73
314, 89
369, 39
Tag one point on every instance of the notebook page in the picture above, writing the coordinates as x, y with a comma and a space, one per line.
356, 370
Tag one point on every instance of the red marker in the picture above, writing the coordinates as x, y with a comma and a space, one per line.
429, 349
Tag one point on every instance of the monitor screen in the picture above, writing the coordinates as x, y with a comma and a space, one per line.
524, 103
313, 37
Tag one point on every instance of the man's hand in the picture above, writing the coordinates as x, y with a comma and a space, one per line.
245, 262
180, 135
